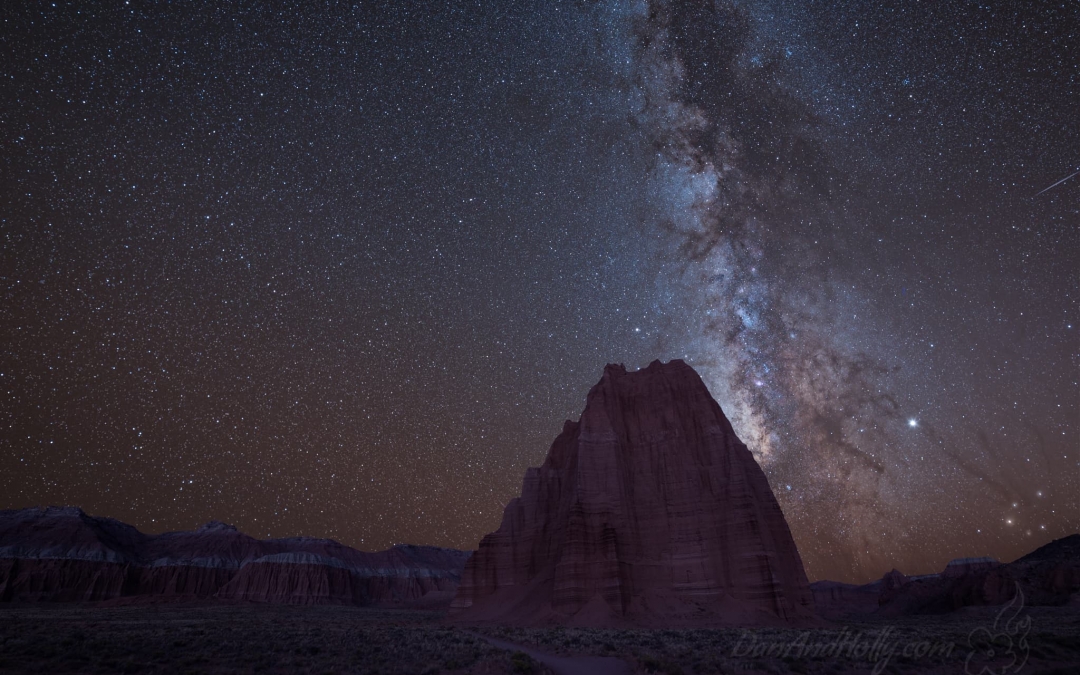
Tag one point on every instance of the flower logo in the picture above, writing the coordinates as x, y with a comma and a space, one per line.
1003, 648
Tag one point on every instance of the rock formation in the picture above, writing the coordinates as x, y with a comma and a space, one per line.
838, 600
1048, 576
647, 511
62, 554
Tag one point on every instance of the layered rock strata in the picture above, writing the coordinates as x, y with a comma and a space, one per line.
62, 554
1048, 576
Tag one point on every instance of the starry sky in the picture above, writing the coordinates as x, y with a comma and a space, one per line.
343, 269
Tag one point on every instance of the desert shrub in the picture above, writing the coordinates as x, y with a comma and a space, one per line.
130, 666
521, 662
671, 668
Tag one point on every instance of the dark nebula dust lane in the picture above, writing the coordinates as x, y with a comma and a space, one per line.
343, 270
879, 310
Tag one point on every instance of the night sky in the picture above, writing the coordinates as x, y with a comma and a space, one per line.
343, 270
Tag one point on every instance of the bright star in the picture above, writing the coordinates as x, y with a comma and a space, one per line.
913, 422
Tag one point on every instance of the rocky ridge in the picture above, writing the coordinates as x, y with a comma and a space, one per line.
1048, 576
63, 554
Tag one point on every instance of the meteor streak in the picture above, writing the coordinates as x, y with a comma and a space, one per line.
1057, 183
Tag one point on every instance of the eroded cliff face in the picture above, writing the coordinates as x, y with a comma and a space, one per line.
647, 511
62, 554
1048, 576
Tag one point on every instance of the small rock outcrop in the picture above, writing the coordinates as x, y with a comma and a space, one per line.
647, 511
63, 554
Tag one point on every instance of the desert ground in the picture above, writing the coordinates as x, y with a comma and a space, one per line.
248, 638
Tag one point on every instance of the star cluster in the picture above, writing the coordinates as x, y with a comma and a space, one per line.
342, 270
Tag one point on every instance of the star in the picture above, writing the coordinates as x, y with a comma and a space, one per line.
323, 280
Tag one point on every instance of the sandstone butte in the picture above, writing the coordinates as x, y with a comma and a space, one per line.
648, 511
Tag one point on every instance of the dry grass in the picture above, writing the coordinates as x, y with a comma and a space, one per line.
237, 639
938, 644
281, 639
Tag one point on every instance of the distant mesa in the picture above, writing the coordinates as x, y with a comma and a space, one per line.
1048, 576
63, 554
648, 511
216, 526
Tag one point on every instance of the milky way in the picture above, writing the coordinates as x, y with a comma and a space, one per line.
777, 236
343, 271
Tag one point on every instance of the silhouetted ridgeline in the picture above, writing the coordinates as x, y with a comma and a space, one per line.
62, 554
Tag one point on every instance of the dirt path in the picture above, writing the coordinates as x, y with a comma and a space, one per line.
567, 665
